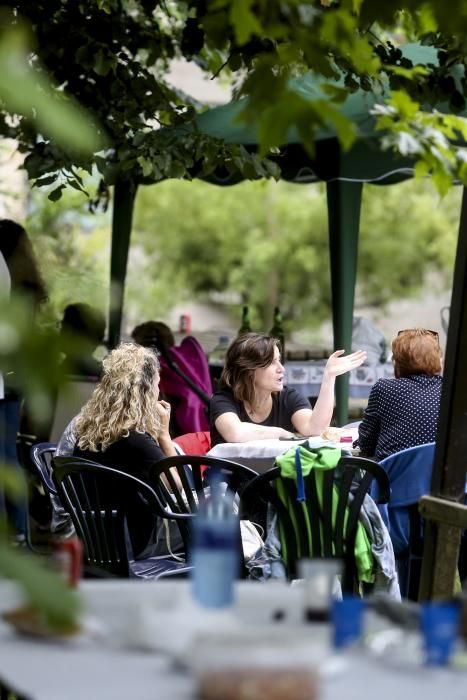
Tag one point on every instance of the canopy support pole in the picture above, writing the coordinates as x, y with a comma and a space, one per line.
442, 537
344, 204
122, 216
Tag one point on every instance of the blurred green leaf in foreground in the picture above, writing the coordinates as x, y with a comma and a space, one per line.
30, 359
44, 588
28, 92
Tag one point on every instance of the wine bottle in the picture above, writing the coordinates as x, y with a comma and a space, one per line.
246, 323
277, 331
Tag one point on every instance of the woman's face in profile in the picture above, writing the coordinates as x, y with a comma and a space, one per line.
271, 378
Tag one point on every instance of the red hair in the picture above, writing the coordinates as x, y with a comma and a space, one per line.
416, 351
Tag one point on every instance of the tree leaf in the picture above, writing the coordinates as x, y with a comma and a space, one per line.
55, 195
29, 92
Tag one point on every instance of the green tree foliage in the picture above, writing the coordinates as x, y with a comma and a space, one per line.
346, 41
268, 242
111, 57
73, 248
113, 62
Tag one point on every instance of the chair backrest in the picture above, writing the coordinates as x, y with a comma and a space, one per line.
325, 524
71, 397
41, 458
182, 502
99, 500
409, 472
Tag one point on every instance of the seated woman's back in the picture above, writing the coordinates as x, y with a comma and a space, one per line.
124, 425
403, 412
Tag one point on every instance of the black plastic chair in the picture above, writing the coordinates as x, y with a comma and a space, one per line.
41, 458
309, 529
181, 504
101, 501
40, 464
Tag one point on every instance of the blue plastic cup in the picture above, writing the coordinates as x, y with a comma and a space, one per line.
439, 624
347, 621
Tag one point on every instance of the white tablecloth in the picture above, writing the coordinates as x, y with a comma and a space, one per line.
87, 668
272, 448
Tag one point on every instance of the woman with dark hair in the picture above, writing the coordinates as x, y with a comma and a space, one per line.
253, 403
17, 250
82, 330
20, 278
403, 412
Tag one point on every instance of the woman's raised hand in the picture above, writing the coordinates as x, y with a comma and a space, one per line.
337, 364
163, 408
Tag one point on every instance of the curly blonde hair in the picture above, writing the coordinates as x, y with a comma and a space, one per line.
125, 399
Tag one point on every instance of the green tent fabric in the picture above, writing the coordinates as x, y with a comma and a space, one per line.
320, 460
364, 162
343, 172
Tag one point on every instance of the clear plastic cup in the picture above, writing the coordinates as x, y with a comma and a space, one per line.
318, 578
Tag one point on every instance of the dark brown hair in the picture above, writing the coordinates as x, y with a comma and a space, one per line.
153, 333
247, 353
85, 321
416, 351
18, 252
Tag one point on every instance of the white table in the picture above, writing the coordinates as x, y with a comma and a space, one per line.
81, 669
260, 455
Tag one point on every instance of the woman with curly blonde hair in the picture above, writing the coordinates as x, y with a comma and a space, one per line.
124, 424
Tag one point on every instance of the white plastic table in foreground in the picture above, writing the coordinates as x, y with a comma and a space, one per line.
83, 668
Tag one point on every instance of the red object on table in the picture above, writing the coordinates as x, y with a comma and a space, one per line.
68, 558
185, 323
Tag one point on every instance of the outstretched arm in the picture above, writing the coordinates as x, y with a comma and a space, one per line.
233, 429
313, 422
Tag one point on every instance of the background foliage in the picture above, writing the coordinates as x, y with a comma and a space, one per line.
266, 243
114, 63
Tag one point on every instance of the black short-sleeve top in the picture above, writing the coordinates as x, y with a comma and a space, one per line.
401, 413
134, 454
284, 404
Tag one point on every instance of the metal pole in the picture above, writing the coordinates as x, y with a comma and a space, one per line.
122, 216
344, 203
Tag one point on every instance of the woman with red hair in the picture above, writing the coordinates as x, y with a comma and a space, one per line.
403, 412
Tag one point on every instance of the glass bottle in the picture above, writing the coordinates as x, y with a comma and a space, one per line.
217, 355
246, 323
277, 331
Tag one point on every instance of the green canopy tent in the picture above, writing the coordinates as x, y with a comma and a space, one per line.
343, 171
344, 174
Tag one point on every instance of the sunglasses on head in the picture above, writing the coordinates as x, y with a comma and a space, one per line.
421, 331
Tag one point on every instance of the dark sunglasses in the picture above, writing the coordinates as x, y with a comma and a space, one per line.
421, 331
